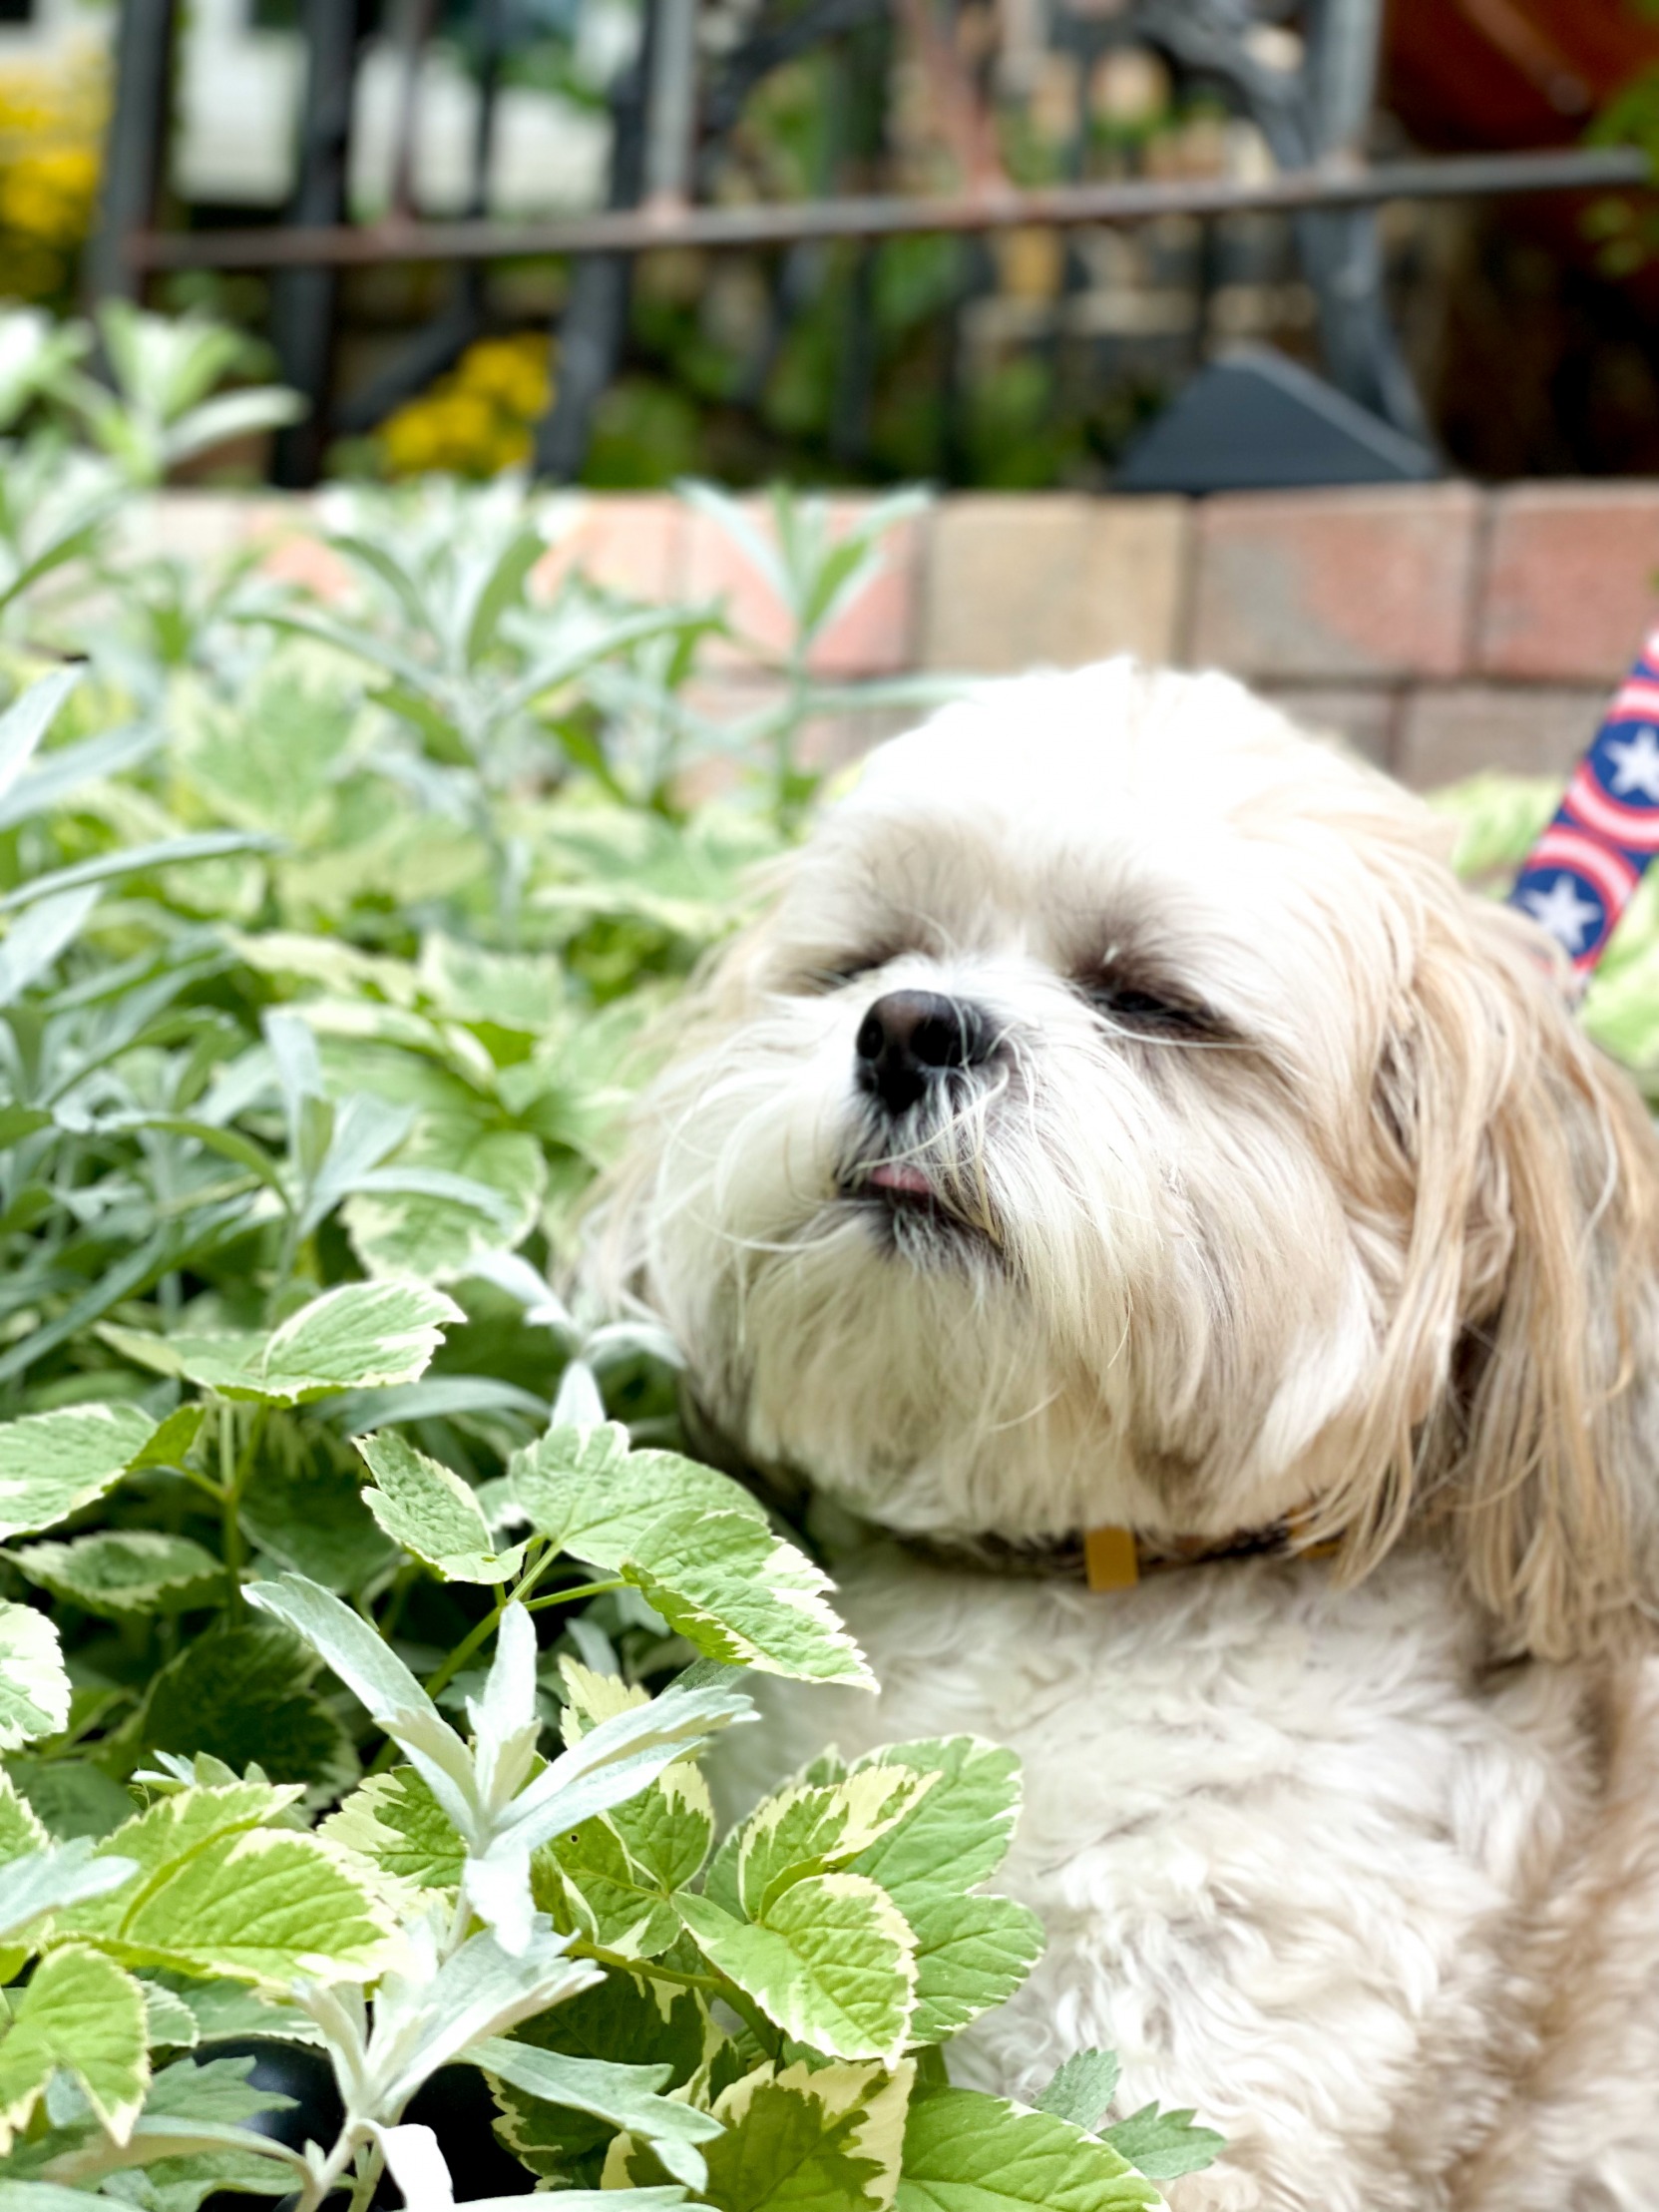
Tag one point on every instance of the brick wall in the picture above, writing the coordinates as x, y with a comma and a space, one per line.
1440, 628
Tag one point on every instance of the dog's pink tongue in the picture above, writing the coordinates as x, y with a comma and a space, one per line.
898, 1174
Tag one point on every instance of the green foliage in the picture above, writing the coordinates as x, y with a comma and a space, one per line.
380, 1663
1498, 818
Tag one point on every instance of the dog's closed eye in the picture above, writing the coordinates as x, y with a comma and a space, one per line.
836, 970
1145, 1006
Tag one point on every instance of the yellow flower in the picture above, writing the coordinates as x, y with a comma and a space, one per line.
51, 121
477, 420
413, 437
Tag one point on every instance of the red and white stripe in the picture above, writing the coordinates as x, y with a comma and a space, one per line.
1562, 846
1598, 810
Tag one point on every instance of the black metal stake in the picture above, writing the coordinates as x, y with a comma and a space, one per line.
134, 148
304, 299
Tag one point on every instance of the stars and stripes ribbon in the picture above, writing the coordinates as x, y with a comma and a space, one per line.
1583, 871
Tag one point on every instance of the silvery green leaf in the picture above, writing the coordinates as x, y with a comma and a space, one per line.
229, 415
588, 1493
732, 517
50, 1881
35, 940
417, 2166
168, 2019
617, 1759
739, 1592
831, 1959
508, 1272
358, 1336
50, 1464
123, 1570
49, 780
497, 1883
619, 1340
578, 1403
504, 1720
136, 860
294, 1049
40, 2196
163, 2136
428, 2012
380, 1681
81, 2013
28, 718
34, 1682
428, 1510
35, 351
359, 1411
226, 2011
624, 2095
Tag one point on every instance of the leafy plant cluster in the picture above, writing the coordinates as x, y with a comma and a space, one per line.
355, 1669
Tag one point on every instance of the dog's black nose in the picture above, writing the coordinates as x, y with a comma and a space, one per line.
910, 1036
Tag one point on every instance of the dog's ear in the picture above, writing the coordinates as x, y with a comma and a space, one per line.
1518, 1414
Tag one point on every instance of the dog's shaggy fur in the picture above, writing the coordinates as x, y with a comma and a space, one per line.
1279, 1182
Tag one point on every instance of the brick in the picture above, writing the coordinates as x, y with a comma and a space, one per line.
1056, 579
625, 541
1364, 715
873, 636
1330, 586
208, 525
1572, 581
295, 555
1448, 731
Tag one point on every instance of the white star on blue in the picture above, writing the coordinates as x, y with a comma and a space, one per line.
1563, 913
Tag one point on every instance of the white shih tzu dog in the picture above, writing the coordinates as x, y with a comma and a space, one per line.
1122, 1124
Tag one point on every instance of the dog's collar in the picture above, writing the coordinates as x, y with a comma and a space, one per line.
1109, 1559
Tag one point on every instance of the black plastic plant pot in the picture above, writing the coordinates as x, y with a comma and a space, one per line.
456, 2104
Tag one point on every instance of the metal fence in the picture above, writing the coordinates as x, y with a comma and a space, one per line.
679, 101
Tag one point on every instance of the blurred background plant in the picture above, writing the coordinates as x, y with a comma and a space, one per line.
1025, 360
52, 115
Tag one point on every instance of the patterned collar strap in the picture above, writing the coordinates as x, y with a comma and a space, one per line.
1583, 871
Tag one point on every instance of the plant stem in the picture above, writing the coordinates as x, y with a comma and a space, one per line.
229, 1520
368, 2175
233, 1470
712, 1985
569, 1596
450, 1667
447, 1669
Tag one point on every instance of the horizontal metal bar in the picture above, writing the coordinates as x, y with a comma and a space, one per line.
643, 230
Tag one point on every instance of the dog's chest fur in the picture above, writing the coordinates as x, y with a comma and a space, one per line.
1303, 1862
